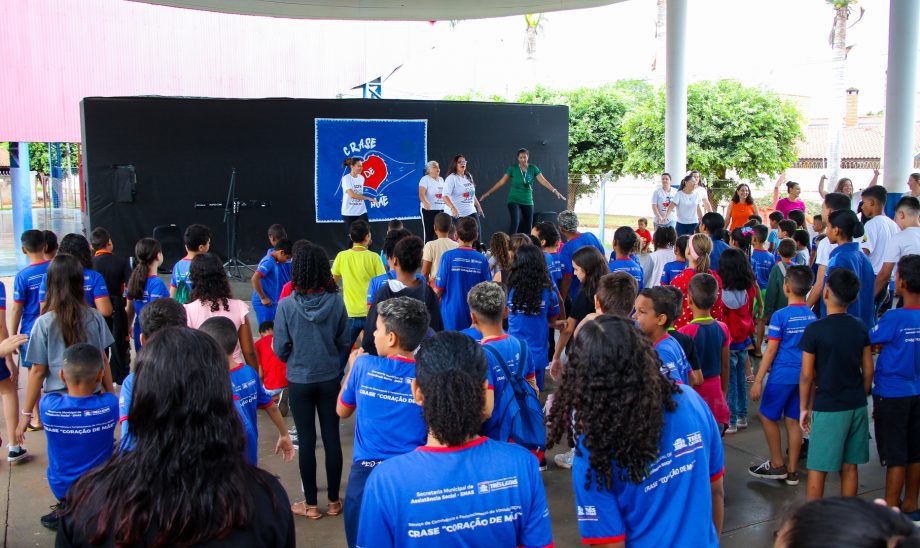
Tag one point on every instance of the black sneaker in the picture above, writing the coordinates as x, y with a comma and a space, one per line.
543, 466
51, 519
804, 453
766, 471
792, 478
16, 455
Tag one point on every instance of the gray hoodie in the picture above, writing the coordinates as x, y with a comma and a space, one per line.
310, 334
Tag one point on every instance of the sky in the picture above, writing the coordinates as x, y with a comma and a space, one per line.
781, 45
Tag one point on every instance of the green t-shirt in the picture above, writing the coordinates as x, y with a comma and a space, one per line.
356, 266
522, 184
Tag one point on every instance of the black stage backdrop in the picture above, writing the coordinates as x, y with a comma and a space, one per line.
182, 151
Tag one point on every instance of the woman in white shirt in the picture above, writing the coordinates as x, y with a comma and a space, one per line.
353, 197
431, 196
845, 186
703, 191
661, 199
460, 193
687, 203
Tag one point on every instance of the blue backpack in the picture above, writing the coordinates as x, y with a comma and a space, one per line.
520, 413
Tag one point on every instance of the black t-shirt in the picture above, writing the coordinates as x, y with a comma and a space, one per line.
115, 271
582, 306
271, 524
421, 292
837, 342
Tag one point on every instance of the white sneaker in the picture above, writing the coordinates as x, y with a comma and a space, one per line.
565, 459
742, 423
732, 429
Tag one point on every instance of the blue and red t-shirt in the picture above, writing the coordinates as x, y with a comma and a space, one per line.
519, 361
897, 371
708, 342
459, 271
533, 327
80, 433
388, 422
274, 275
568, 251
671, 270
155, 289
673, 360
26, 287
378, 281
93, 287
248, 390
629, 266
787, 326
554, 267
762, 263
481, 493
850, 256
673, 506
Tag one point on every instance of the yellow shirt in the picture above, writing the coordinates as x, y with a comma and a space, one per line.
356, 266
432, 253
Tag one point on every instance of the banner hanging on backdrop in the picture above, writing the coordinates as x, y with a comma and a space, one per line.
393, 153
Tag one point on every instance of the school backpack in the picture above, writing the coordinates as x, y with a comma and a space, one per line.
520, 413
739, 313
182, 289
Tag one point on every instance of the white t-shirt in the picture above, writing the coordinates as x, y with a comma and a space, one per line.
350, 206
685, 205
905, 242
879, 230
433, 192
658, 259
702, 192
823, 253
661, 199
462, 193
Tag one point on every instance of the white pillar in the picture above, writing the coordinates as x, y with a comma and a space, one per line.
898, 159
675, 112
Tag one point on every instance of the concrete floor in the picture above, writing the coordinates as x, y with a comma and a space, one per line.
753, 510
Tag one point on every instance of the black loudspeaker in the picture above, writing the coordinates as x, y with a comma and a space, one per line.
544, 216
172, 241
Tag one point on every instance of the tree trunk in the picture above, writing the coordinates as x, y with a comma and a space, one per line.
837, 97
658, 63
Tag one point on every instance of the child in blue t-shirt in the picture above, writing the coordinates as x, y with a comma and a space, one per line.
679, 264
197, 241
26, 286
773, 238
625, 241
459, 271
783, 361
844, 225
268, 280
248, 391
458, 488
548, 235
762, 263
144, 286
378, 390
896, 391
533, 305
79, 425
654, 313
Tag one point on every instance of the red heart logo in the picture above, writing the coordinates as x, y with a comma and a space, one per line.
374, 171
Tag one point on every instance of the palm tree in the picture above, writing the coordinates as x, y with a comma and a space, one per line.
838, 41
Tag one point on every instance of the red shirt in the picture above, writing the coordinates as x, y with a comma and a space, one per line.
274, 371
643, 233
682, 282
286, 290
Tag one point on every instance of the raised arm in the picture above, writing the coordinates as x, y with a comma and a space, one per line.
821, 182
501, 182
779, 182
874, 180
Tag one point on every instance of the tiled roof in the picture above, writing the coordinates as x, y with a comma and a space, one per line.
866, 140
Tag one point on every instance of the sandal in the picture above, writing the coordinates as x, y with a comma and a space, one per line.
302, 509
33, 428
334, 508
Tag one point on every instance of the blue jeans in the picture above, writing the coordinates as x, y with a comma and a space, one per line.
354, 325
737, 387
672, 224
686, 229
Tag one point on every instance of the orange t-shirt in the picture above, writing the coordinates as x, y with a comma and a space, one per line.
738, 214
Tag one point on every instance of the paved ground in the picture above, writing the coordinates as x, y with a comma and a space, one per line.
753, 507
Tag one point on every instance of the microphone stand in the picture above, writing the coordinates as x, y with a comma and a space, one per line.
234, 264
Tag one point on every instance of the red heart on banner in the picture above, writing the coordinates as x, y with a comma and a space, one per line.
374, 171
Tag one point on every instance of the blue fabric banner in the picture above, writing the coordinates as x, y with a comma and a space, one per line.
393, 152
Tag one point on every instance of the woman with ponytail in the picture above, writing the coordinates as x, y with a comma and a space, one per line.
65, 321
698, 249
143, 285
843, 227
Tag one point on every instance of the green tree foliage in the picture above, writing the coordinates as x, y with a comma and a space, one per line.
40, 161
729, 127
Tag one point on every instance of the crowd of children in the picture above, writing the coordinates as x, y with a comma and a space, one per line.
651, 353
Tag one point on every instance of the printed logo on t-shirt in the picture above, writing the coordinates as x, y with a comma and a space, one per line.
587, 513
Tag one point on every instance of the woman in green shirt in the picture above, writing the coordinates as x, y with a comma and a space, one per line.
520, 197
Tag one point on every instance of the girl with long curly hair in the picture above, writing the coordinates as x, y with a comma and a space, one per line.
211, 296
648, 453
311, 332
698, 249
533, 305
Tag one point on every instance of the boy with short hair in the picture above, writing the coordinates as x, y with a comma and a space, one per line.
775, 296
786, 228
388, 421
392, 238
116, 271
879, 230
197, 240
26, 305
773, 239
654, 313
268, 280
79, 425
274, 371
802, 251
645, 237
798, 217
276, 233
355, 267
904, 243
836, 377
51, 244
713, 224
783, 361
762, 263
574, 240
435, 249
248, 391
833, 201
459, 271
896, 391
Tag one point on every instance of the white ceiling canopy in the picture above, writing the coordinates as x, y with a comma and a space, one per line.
399, 10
